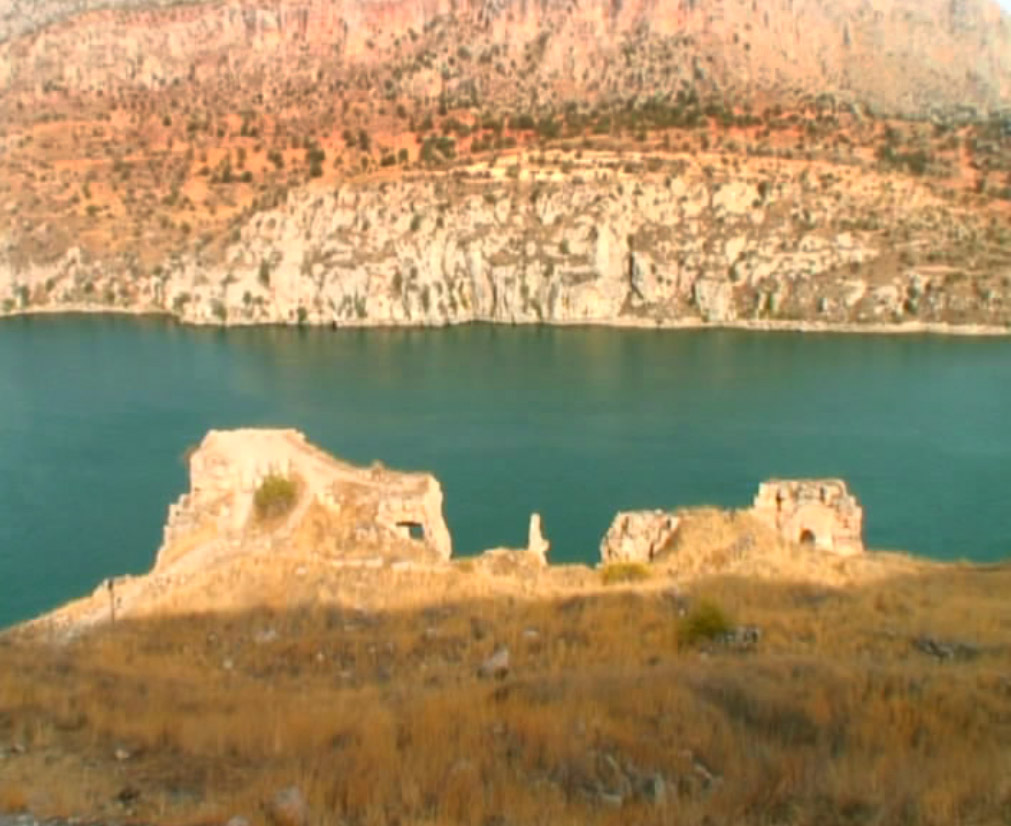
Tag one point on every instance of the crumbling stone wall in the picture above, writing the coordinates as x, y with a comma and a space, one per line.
385, 508
817, 512
637, 536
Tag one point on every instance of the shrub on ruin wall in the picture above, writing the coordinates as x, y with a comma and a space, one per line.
274, 497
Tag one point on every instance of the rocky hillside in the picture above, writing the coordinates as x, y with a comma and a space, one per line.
377, 164
593, 240
904, 55
276, 668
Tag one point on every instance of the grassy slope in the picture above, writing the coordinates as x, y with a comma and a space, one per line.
380, 718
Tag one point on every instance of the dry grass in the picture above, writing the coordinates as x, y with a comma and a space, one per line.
380, 718
12, 798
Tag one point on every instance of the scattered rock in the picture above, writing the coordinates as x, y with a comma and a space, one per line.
265, 636
654, 790
288, 808
743, 637
496, 666
946, 650
478, 628
611, 800
122, 754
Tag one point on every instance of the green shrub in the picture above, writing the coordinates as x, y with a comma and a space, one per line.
275, 497
618, 572
705, 621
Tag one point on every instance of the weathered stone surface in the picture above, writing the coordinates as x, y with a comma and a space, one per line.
945, 650
288, 808
644, 250
537, 544
496, 666
637, 536
358, 509
817, 512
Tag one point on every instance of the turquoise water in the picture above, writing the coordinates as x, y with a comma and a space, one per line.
96, 413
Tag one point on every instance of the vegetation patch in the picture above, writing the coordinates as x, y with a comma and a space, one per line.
275, 497
618, 572
705, 621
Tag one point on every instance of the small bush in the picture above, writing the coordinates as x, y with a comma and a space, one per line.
706, 621
618, 572
275, 497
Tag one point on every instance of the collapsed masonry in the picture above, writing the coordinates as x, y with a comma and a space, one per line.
819, 513
372, 513
358, 509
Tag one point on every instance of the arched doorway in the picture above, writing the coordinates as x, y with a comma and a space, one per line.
807, 538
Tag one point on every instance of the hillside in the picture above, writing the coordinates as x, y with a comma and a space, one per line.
381, 164
299, 654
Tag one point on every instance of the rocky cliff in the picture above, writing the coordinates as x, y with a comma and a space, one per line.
598, 239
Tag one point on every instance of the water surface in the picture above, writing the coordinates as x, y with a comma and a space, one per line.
96, 413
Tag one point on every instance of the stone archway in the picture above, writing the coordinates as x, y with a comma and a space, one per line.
808, 538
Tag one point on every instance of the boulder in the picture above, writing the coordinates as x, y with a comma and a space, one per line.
288, 808
496, 666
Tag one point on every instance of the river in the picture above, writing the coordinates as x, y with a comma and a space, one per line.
97, 412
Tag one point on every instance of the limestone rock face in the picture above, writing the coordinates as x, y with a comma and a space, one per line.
637, 536
817, 512
597, 246
340, 509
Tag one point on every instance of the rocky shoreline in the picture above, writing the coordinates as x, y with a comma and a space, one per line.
908, 328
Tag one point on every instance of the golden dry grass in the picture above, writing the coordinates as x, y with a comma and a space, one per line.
835, 718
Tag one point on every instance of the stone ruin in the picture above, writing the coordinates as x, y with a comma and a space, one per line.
821, 513
345, 511
638, 536
376, 507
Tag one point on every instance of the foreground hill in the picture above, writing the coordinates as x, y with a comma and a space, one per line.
307, 651
886, 703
